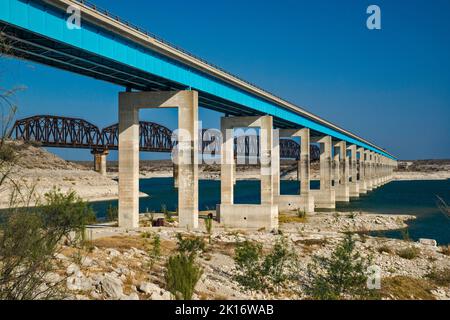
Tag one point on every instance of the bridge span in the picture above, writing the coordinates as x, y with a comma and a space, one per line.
159, 75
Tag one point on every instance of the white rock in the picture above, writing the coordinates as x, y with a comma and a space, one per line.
154, 291
113, 252
60, 256
79, 283
52, 277
428, 242
87, 262
72, 268
112, 286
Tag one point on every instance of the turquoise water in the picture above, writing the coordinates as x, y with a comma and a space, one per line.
400, 197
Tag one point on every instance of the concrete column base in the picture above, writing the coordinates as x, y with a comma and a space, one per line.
342, 193
294, 202
248, 216
324, 199
362, 187
354, 190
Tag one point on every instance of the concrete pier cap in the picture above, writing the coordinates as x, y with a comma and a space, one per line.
186, 152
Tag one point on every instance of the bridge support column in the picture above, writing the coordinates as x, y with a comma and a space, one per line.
376, 178
264, 215
342, 175
304, 201
368, 170
187, 153
325, 197
354, 186
175, 173
100, 161
361, 172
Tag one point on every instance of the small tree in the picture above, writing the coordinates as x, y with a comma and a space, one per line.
182, 271
254, 271
208, 226
247, 259
155, 251
29, 241
343, 275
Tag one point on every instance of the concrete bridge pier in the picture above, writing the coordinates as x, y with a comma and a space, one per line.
100, 161
341, 181
354, 185
361, 171
368, 170
264, 215
325, 197
187, 153
303, 201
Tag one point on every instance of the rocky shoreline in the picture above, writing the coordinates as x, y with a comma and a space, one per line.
116, 266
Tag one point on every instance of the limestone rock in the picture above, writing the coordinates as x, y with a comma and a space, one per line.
78, 282
112, 286
428, 242
72, 268
155, 292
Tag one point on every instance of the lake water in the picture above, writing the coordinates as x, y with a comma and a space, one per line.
399, 197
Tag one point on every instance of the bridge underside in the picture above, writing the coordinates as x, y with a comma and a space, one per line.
27, 45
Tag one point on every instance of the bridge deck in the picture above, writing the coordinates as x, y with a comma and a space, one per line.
107, 49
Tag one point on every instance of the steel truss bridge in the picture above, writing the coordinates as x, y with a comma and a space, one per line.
65, 132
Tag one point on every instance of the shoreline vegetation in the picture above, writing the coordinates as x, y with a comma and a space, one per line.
296, 262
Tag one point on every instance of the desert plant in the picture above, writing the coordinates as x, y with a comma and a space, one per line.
167, 214
445, 250
155, 251
247, 259
408, 253
343, 275
190, 245
30, 240
301, 214
384, 248
182, 275
440, 277
279, 265
405, 234
208, 226
182, 271
255, 271
112, 213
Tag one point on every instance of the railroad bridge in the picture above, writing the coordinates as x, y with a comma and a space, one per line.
52, 131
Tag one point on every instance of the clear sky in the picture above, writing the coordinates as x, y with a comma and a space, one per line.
390, 86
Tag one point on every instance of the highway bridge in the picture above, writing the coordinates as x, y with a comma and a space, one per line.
156, 74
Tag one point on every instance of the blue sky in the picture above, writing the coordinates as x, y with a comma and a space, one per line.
390, 86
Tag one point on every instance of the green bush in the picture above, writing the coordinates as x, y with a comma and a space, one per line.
208, 226
182, 275
408, 253
247, 259
155, 251
190, 246
29, 241
343, 275
440, 277
112, 213
279, 265
255, 271
182, 271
